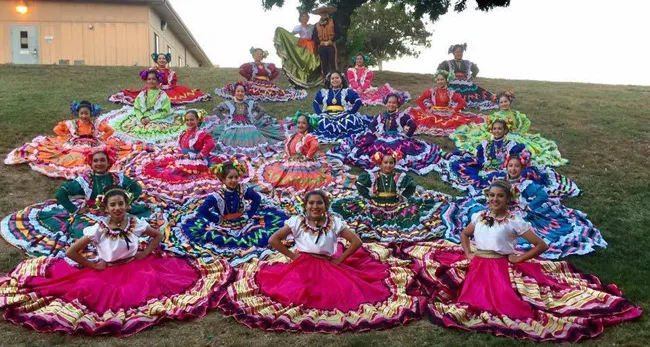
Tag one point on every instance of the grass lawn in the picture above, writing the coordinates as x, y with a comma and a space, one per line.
603, 130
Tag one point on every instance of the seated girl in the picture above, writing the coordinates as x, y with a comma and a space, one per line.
488, 286
151, 119
301, 167
259, 77
48, 228
320, 285
464, 71
235, 222
178, 174
177, 94
126, 289
473, 173
390, 207
247, 129
436, 115
338, 109
544, 152
390, 131
361, 77
566, 231
64, 156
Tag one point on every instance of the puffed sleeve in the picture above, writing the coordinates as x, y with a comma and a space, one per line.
475, 217
310, 147
520, 226
106, 130
61, 129
460, 101
524, 122
374, 123
369, 76
166, 108
354, 99
350, 75
208, 145
407, 121
296, 30
223, 110
137, 105
255, 199
205, 210
339, 225
425, 96
258, 110
141, 226
318, 100
246, 70
274, 71
364, 185
93, 233
407, 186
294, 224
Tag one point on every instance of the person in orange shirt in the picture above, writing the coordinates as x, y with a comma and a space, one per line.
83, 129
325, 34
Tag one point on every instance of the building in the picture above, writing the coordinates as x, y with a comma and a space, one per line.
110, 32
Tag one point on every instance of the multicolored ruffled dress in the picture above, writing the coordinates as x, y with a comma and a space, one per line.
565, 230
475, 96
339, 117
436, 115
390, 132
178, 95
259, 85
165, 126
301, 168
64, 155
367, 291
539, 300
473, 173
544, 151
361, 79
176, 174
247, 130
49, 295
49, 228
390, 207
300, 60
232, 224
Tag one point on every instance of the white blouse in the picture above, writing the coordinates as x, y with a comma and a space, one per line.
110, 245
305, 237
502, 236
304, 33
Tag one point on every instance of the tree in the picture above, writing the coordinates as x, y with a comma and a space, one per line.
346, 8
386, 32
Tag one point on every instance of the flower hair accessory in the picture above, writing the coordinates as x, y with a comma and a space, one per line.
200, 113
99, 200
144, 73
523, 156
510, 94
378, 157
233, 86
399, 96
110, 152
94, 109
493, 120
239, 165
452, 48
312, 120
154, 56
366, 59
264, 53
447, 74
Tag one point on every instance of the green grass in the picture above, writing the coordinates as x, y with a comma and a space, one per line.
603, 130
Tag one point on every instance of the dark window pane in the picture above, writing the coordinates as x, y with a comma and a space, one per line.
24, 40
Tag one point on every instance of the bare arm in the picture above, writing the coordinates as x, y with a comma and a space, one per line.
539, 247
74, 253
276, 242
467, 233
156, 237
355, 244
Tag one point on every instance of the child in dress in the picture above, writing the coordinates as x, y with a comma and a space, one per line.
321, 286
123, 292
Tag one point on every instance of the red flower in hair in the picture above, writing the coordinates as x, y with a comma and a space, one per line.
109, 151
379, 156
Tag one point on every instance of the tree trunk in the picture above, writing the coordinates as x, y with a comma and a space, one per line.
380, 65
342, 18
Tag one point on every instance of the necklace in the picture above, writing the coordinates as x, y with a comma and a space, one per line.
336, 93
317, 229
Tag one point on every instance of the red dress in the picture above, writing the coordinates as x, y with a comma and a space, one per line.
436, 116
177, 94
260, 88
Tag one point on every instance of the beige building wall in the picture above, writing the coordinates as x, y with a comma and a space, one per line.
168, 38
97, 33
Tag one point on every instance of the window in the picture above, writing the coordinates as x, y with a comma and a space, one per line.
156, 43
169, 50
180, 61
24, 40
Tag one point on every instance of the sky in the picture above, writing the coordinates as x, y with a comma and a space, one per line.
593, 41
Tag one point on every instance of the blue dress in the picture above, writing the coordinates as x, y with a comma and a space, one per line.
233, 224
473, 173
565, 230
339, 117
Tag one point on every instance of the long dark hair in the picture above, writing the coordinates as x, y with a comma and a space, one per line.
328, 83
505, 185
320, 193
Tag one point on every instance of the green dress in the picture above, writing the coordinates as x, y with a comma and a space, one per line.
49, 228
299, 63
543, 151
392, 208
